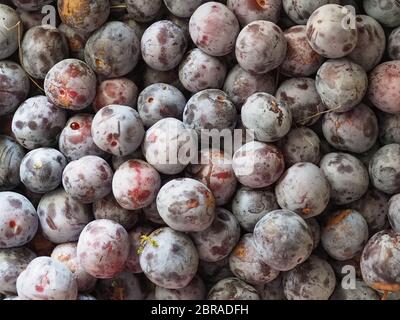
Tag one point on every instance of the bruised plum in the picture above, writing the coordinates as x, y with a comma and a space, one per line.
169, 259
303, 189
135, 184
87, 179
46, 279
103, 248
247, 265
117, 130
62, 218
14, 86
347, 177
76, 139
70, 84
215, 171
18, 221
283, 239
41, 48
344, 234
251, 10
258, 165
37, 122
67, 254
186, 205
113, 50
217, 241
250, 205
312, 280
380, 261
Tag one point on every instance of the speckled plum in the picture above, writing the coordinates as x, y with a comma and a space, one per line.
108, 208
124, 286
300, 10
268, 117
183, 8
67, 254
120, 91
85, 15
113, 50
312, 280
361, 292
163, 45
232, 289
18, 221
37, 122
215, 171
12, 263
71, 84
62, 218
303, 189
373, 206
341, 84
195, 290
258, 165
117, 129
117, 161
168, 137
159, 101
260, 47
41, 169
354, 131
247, 265
394, 212
210, 109
250, 205
384, 87
344, 234
347, 177
169, 259
328, 34
87, 179
386, 12
186, 205
216, 242
135, 238
144, 10
135, 184
76, 139
380, 261
14, 86
41, 48
283, 239
199, 71
11, 155
301, 145
46, 279
214, 28
301, 97
103, 248
384, 169
371, 43
9, 31
240, 84
301, 60
394, 44
251, 10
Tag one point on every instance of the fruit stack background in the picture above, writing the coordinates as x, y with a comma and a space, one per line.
91, 207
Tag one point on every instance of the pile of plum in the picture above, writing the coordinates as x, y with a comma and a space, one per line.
93, 206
